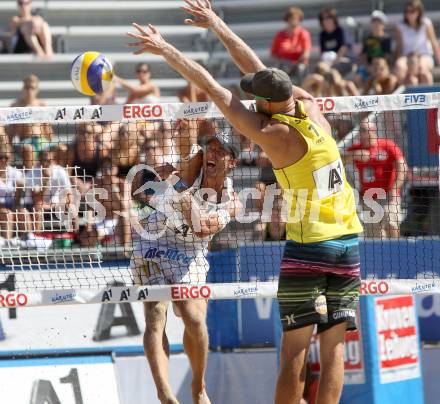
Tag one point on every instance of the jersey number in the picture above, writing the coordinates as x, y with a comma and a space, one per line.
183, 230
329, 179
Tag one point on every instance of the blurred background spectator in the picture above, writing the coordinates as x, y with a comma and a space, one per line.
416, 35
11, 187
382, 81
377, 44
126, 144
381, 165
114, 228
47, 187
291, 46
332, 40
144, 92
30, 33
191, 93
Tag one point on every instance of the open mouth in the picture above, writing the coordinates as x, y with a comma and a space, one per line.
210, 164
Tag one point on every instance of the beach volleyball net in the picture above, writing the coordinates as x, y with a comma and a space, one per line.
79, 187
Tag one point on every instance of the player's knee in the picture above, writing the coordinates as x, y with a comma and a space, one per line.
155, 318
194, 317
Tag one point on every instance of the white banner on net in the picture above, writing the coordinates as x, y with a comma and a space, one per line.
172, 111
214, 291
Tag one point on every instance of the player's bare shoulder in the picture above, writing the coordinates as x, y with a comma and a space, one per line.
316, 115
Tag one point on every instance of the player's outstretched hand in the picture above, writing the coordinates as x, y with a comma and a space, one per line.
149, 40
202, 12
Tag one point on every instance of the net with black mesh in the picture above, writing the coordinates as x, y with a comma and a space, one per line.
139, 202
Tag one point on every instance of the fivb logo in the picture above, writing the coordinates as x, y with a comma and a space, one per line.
412, 100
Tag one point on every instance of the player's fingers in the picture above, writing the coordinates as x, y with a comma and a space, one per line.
136, 36
208, 4
139, 28
191, 3
140, 51
199, 3
191, 11
153, 29
188, 21
135, 44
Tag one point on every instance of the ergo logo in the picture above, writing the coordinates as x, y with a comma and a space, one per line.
326, 104
142, 111
13, 299
374, 288
190, 292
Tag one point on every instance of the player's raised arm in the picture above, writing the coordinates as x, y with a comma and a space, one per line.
243, 56
250, 124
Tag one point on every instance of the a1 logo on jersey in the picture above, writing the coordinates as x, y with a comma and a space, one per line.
329, 179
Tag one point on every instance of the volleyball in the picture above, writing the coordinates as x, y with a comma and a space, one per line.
91, 73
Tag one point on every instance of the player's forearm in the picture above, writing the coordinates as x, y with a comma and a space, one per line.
243, 56
202, 225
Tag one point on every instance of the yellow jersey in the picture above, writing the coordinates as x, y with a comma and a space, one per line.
319, 203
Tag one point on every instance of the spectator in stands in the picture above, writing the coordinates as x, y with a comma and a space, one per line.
332, 37
47, 187
30, 93
114, 229
329, 84
313, 83
376, 45
30, 33
31, 138
11, 181
191, 93
291, 46
381, 165
85, 152
143, 93
382, 81
125, 148
416, 35
412, 73
4, 139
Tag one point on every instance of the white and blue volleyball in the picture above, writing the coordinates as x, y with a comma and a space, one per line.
91, 73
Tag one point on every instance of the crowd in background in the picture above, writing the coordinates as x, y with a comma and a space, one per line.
102, 154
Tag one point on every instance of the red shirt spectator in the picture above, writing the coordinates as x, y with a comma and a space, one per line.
379, 167
293, 43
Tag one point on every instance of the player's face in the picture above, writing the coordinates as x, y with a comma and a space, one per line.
368, 134
262, 106
218, 161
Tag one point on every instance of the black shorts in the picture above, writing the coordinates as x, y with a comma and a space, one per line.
319, 283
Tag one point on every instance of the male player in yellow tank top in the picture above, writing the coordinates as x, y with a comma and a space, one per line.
319, 279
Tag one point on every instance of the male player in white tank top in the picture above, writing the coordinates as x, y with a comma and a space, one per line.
186, 224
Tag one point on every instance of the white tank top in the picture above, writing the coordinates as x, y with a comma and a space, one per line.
178, 242
415, 40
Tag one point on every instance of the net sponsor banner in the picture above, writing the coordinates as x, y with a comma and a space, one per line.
124, 294
171, 111
214, 291
397, 339
353, 358
59, 380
